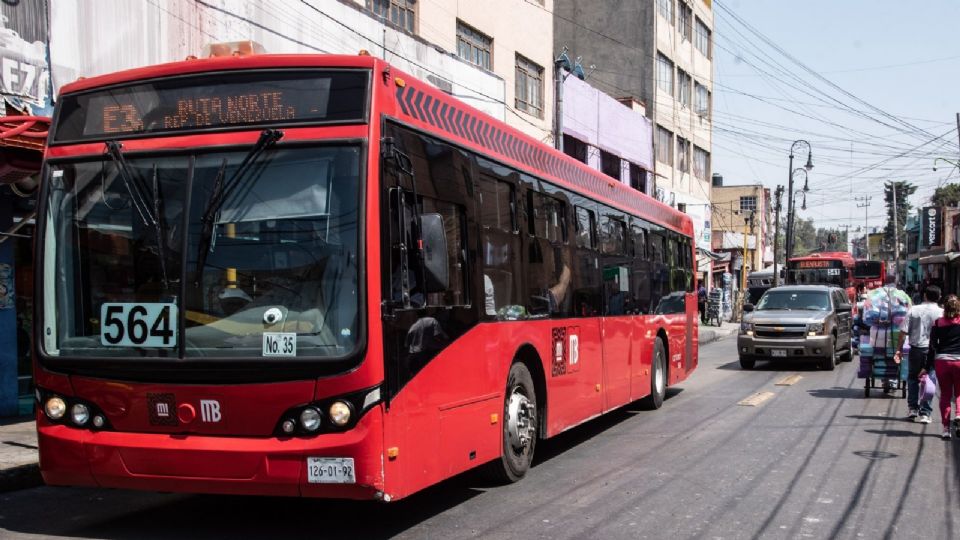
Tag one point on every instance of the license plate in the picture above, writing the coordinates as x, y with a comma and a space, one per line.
330, 471
778, 352
138, 325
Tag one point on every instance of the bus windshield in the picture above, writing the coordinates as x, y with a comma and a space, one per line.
128, 270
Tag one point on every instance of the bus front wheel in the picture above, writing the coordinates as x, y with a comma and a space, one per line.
520, 419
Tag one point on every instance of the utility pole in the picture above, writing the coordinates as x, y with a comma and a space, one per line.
866, 230
747, 226
778, 193
562, 61
896, 235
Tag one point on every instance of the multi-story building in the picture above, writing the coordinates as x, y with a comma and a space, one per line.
739, 211
517, 48
661, 54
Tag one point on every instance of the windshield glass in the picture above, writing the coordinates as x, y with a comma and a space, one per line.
279, 277
818, 276
794, 300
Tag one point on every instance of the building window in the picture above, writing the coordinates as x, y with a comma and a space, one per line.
664, 146
683, 87
638, 178
685, 21
610, 164
748, 204
529, 89
664, 74
474, 46
682, 207
665, 8
703, 39
702, 100
701, 163
683, 154
402, 13
575, 148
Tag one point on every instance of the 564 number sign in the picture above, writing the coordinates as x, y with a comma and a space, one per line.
138, 325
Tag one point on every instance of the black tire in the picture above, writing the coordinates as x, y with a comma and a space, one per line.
747, 363
830, 362
514, 461
658, 377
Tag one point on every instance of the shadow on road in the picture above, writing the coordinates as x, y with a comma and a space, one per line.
764, 365
836, 392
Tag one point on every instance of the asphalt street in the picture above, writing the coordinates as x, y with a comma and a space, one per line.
814, 459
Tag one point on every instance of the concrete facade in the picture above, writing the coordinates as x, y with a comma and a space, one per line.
517, 27
619, 43
730, 211
607, 125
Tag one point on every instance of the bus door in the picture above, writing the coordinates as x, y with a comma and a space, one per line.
616, 324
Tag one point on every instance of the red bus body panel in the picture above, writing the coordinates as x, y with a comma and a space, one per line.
448, 418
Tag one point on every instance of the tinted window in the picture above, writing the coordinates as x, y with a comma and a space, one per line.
496, 204
586, 225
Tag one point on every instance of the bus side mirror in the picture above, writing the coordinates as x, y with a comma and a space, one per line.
435, 263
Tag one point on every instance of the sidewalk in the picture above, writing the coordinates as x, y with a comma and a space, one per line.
19, 462
713, 333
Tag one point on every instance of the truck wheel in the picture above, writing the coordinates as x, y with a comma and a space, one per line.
830, 362
747, 363
520, 418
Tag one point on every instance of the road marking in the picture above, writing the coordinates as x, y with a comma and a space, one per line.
756, 399
789, 380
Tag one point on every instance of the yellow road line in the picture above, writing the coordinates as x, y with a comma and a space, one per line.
756, 399
789, 380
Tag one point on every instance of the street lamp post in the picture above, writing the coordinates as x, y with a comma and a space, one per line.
799, 144
792, 213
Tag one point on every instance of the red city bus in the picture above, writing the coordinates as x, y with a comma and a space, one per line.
870, 274
311, 275
826, 268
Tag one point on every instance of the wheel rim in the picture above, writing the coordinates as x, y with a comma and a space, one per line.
521, 421
658, 377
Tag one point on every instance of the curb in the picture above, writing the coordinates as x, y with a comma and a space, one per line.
710, 336
20, 477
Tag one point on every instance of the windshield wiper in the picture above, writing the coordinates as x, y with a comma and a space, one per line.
133, 187
222, 190
150, 214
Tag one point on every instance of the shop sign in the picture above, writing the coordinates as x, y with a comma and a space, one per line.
931, 226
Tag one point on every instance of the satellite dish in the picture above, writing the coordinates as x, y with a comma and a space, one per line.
564, 61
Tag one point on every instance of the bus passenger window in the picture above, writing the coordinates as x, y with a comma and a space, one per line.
586, 225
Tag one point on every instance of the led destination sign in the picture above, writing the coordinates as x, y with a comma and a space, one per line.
214, 101
817, 264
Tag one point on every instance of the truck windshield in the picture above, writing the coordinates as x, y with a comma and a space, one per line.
278, 276
794, 300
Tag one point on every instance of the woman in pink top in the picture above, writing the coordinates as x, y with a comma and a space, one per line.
944, 356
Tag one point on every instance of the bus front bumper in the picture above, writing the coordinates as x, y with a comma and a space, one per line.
210, 464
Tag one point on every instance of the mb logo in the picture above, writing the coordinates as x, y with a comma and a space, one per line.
210, 410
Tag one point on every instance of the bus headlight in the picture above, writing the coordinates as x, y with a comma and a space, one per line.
79, 413
340, 413
310, 419
55, 408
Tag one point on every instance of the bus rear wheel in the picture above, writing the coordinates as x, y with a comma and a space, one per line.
658, 376
520, 422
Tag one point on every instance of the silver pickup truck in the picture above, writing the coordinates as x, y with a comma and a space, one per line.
797, 322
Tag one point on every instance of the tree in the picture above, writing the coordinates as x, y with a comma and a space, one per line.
904, 190
804, 237
948, 195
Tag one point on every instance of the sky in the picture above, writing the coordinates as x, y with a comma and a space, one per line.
874, 86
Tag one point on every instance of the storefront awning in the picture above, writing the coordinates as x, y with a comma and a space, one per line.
942, 258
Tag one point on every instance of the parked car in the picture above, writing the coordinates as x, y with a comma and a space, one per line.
797, 322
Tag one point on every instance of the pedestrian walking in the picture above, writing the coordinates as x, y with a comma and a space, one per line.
702, 302
920, 321
944, 357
